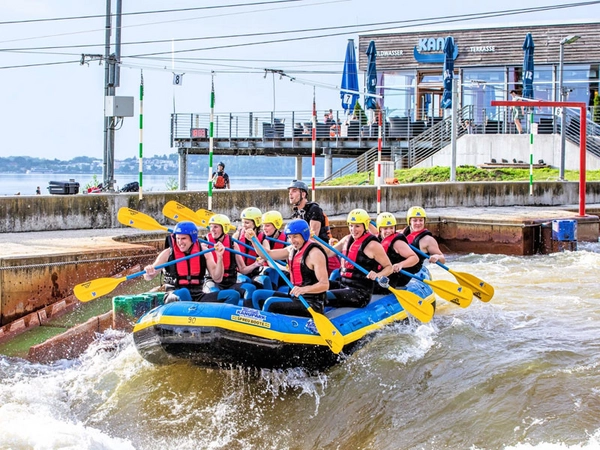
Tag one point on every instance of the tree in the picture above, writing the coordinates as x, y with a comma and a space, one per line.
596, 108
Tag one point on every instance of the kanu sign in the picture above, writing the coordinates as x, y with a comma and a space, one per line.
431, 50
430, 45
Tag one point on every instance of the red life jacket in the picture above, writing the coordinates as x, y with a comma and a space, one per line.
262, 236
188, 272
229, 263
354, 249
247, 251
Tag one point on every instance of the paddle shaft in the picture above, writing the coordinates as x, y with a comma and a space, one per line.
229, 249
170, 263
409, 301
383, 281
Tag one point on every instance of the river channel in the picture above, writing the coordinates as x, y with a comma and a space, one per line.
519, 372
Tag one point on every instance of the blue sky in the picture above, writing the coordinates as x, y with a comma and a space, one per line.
56, 111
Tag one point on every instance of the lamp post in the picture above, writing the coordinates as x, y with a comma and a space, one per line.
563, 97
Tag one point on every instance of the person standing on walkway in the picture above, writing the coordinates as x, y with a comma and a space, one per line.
220, 178
517, 112
420, 237
185, 280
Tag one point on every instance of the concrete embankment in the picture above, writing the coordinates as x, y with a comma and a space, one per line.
94, 211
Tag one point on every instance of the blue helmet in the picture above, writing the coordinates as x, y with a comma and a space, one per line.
188, 228
298, 226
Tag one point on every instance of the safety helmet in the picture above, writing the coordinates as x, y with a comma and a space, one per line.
222, 164
385, 219
359, 216
273, 217
415, 211
221, 219
253, 214
298, 226
188, 228
298, 184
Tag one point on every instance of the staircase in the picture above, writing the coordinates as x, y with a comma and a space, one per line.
572, 122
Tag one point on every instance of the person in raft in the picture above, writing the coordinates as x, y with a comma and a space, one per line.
313, 214
219, 226
185, 280
354, 288
308, 271
396, 247
418, 236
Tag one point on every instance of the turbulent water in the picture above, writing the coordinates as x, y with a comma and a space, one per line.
519, 372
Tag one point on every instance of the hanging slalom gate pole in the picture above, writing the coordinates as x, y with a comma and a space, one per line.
211, 140
379, 144
141, 149
314, 147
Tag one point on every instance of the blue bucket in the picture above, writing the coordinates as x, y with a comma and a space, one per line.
564, 230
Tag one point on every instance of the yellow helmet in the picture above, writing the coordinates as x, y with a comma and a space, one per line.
273, 217
253, 214
221, 219
359, 216
415, 211
386, 219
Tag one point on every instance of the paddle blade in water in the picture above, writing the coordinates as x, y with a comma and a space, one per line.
482, 290
414, 305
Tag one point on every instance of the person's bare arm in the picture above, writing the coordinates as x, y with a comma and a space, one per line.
215, 268
375, 250
162, 258
404, 250
430, 246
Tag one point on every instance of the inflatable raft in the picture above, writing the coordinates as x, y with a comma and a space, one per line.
225, 335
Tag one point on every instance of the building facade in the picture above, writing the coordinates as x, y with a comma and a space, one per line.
488, 65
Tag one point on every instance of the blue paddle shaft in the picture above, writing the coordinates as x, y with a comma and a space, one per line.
170, 263
280, 272
231, 250
272, 239
383, 281
425, 255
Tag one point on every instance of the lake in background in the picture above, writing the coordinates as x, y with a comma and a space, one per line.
26, 184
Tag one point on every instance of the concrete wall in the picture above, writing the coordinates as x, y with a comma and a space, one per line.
478, 149
89, 211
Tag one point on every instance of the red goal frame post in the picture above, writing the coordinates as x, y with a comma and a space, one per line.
582, 134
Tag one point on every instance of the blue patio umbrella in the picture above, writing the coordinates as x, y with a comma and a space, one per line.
349, 79
371, 102
448, 72
528, 67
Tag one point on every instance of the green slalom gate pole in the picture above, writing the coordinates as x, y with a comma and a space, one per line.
141, 149
211, 141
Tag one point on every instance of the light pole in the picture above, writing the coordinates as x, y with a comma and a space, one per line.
563, 97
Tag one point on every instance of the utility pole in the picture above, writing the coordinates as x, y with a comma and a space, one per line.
111, 82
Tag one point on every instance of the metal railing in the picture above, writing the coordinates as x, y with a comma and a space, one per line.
364, 163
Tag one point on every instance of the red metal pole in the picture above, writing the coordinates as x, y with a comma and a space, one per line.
582, 162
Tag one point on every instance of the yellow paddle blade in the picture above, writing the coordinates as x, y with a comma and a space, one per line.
480, 288
178, 212
414, 305
454, 293
204, 215
330, 334
99, 287
136, 219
